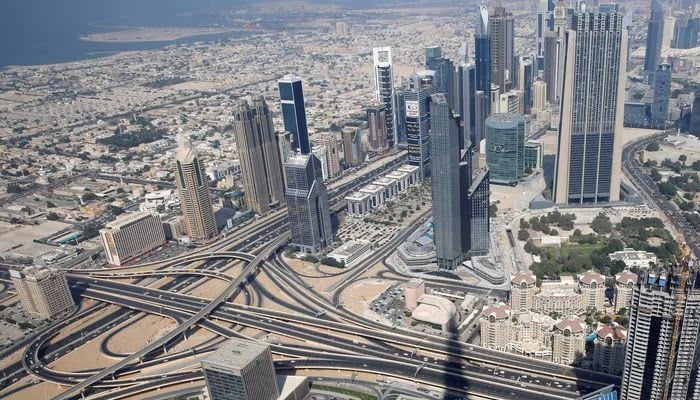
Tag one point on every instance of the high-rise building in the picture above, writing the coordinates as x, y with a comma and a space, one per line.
352, 146
307, 204
501, 31
539, 96
482, 51
320, 153
43, 291
294, 112
624, 284
551, 46
667, 34
525, 77
465, 106
662, 93
376, 127
523, 288
400, 116
259, 155
686, 32
448, 193
478, 197
662, 354
505, 147
132, 235
495, 327
510, 102
384, 88
495, 99
569, 341
655, 30
481, 113
240, 370
331, 143
444, 73
695, 116
544, 15
418, 91
561, 19
589, 146
592, 287
193, 189
609, 349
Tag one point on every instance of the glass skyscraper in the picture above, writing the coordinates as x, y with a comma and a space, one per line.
307, 204
294, 112
482, 53
502, 36
589, 146
400, 114
662, 93
193, 189
478, 198
417, 94
505, 147
465, 97
655, 31
384, 88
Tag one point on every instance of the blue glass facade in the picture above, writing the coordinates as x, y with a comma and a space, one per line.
505, 147
417, 101
294, 113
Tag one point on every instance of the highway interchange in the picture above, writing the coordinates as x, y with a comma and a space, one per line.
349, 341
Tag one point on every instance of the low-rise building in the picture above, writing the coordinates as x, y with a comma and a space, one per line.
413, 290
43, 291
351, 252
131, 235
375, 193
358, 203
609, 349
436, 310
562, 301
634, 258
159, 201
413, 172
389, 185
401, 179
531, 335
569, 341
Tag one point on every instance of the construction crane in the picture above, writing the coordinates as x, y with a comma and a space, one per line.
677, 318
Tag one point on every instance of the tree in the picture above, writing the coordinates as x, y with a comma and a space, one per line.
89, 196
653, 146
52, 216
655, 175
528, 171
683, 158
554, 232
601, 224
50, 204
493, 210
577, 232
524, 224
523, 235
667, 189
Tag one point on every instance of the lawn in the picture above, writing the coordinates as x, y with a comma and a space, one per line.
348, 392
567, 248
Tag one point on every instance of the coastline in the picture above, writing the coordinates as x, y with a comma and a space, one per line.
152, 34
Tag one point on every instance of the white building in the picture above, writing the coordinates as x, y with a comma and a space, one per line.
43, 291
351, 252
376, 195
160, 200
401, 179
413, 172
131, 235
495, 327
358, 203
320, 153
563, 301
436, 310
634, 258
413, 290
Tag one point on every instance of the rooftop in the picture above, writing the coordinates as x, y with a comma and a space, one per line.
236, 353
626, 277
573, 324
525, 277
499, 311
127, 219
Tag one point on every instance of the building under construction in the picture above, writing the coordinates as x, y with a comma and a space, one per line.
661, 361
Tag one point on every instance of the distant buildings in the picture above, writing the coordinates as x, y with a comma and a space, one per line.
420, 87
634, 258
374, 194
505, 147
294, 112
258, 152
332, 150
352, 146
526, 75
307, 204
384, 88
43, 291
465, 105
482, 53
589, 146
686, 29
695, 116
241, 370
131, 235
193, 189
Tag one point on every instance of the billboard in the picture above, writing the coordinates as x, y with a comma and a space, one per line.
412, 109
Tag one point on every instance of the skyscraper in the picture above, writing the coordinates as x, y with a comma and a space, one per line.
551, 51
589, 145
384, 88
420, 88
481, 112
545, 15
352, 146
240, 370
695, 116
376, 127
400, 118
448, 193
685, 34
662, 93
444, 72
502, 35
478, 206
43, 291
482, 51
505, 147
259, 155
294, 112
660, 362
307, 204
561, 19
193, 188
525, 77
465, 98
655, 30
539, 98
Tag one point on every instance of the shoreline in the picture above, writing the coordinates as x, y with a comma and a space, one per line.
153, 34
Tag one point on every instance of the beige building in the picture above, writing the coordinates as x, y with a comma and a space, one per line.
624, 285
332, 145
539, 96
414, 289
193, 189
495, 327
531, 335
562, 301
131, 235
259, 154
592, 287
569, 341
43, 291
523, 288
609, 349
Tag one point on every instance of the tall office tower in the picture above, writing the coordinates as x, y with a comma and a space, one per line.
695, 116
307, 204
667, 34
511, 102
320, 153
330, 142
376, 126
481, 113
418, 91
444, 72
655, 31
132, 235
662, 93
545, 23
400, 116
505, 147
43, 291
294, 112
661, 356
193, 189
525, 77
685, 34
258, 153
352, 146
561, 18
589, 146
478, 198
495, 99
482, 50
384, 89
465, 90
551, 52
241, 370
523, 288
539, 96
502, 35
449, 195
